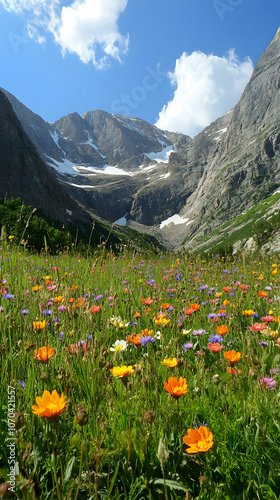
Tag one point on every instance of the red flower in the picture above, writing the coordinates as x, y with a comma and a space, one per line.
244, 287
267, 319
215, 347
188, 311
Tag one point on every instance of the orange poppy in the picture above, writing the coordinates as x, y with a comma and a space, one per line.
195, 306
43, 354
222, 329
147, 301
226, 289
165, 306
232, 371
198, 440
95, 309
232, 356
50, 405
176, 388
188, 311
134, 339
215, 347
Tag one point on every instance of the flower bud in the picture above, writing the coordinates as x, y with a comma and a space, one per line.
149, 416
19, 420
81, 416
162, 452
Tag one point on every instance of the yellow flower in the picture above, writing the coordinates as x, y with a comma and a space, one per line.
121, 371
176, 388
39, 325
36, 288
161, 320
248, 312
198, 440
170, 362
50, 405
275, 271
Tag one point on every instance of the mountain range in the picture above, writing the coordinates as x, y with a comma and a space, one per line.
189, 193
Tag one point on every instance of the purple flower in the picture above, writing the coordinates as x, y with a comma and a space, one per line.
187, 346
216, 338
263, 344
24, 311
8, 296
62, 308
211, 316
1, 309
22, 384
47, 312
98, 297
147, 340
268, 382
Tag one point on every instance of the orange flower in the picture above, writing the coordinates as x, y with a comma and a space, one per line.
165, 306
195, 306
134, 339
176, 388
244, 287
147, 301
170, 362
39, 325
262, 294
48, 282
188, 311
121, 371
232, 371
74, 287
137, 314
226, 302
43, 354
147, 332
71, 301
50, 405
198, 440
226, 289
222, 329
36, 288
95, 309
232, 356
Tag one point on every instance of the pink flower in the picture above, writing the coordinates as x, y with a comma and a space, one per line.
268, 382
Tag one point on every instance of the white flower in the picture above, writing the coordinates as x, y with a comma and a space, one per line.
119, 345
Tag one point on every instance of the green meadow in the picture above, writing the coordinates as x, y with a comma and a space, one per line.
130, 376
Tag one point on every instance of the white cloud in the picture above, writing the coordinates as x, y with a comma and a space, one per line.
207, 86
87, 28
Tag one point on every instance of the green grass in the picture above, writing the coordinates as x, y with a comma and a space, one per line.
115, 455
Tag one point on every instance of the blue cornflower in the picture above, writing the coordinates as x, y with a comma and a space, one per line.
216, 338
147, 340
8, 296
24, 311
263, 344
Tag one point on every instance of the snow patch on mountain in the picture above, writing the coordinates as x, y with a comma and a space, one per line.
162, 156
175, 219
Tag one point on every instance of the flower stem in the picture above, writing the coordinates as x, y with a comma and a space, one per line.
54, 468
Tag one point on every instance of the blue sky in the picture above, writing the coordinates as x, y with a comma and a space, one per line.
177, 63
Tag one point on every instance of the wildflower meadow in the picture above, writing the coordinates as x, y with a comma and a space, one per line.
130, 376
